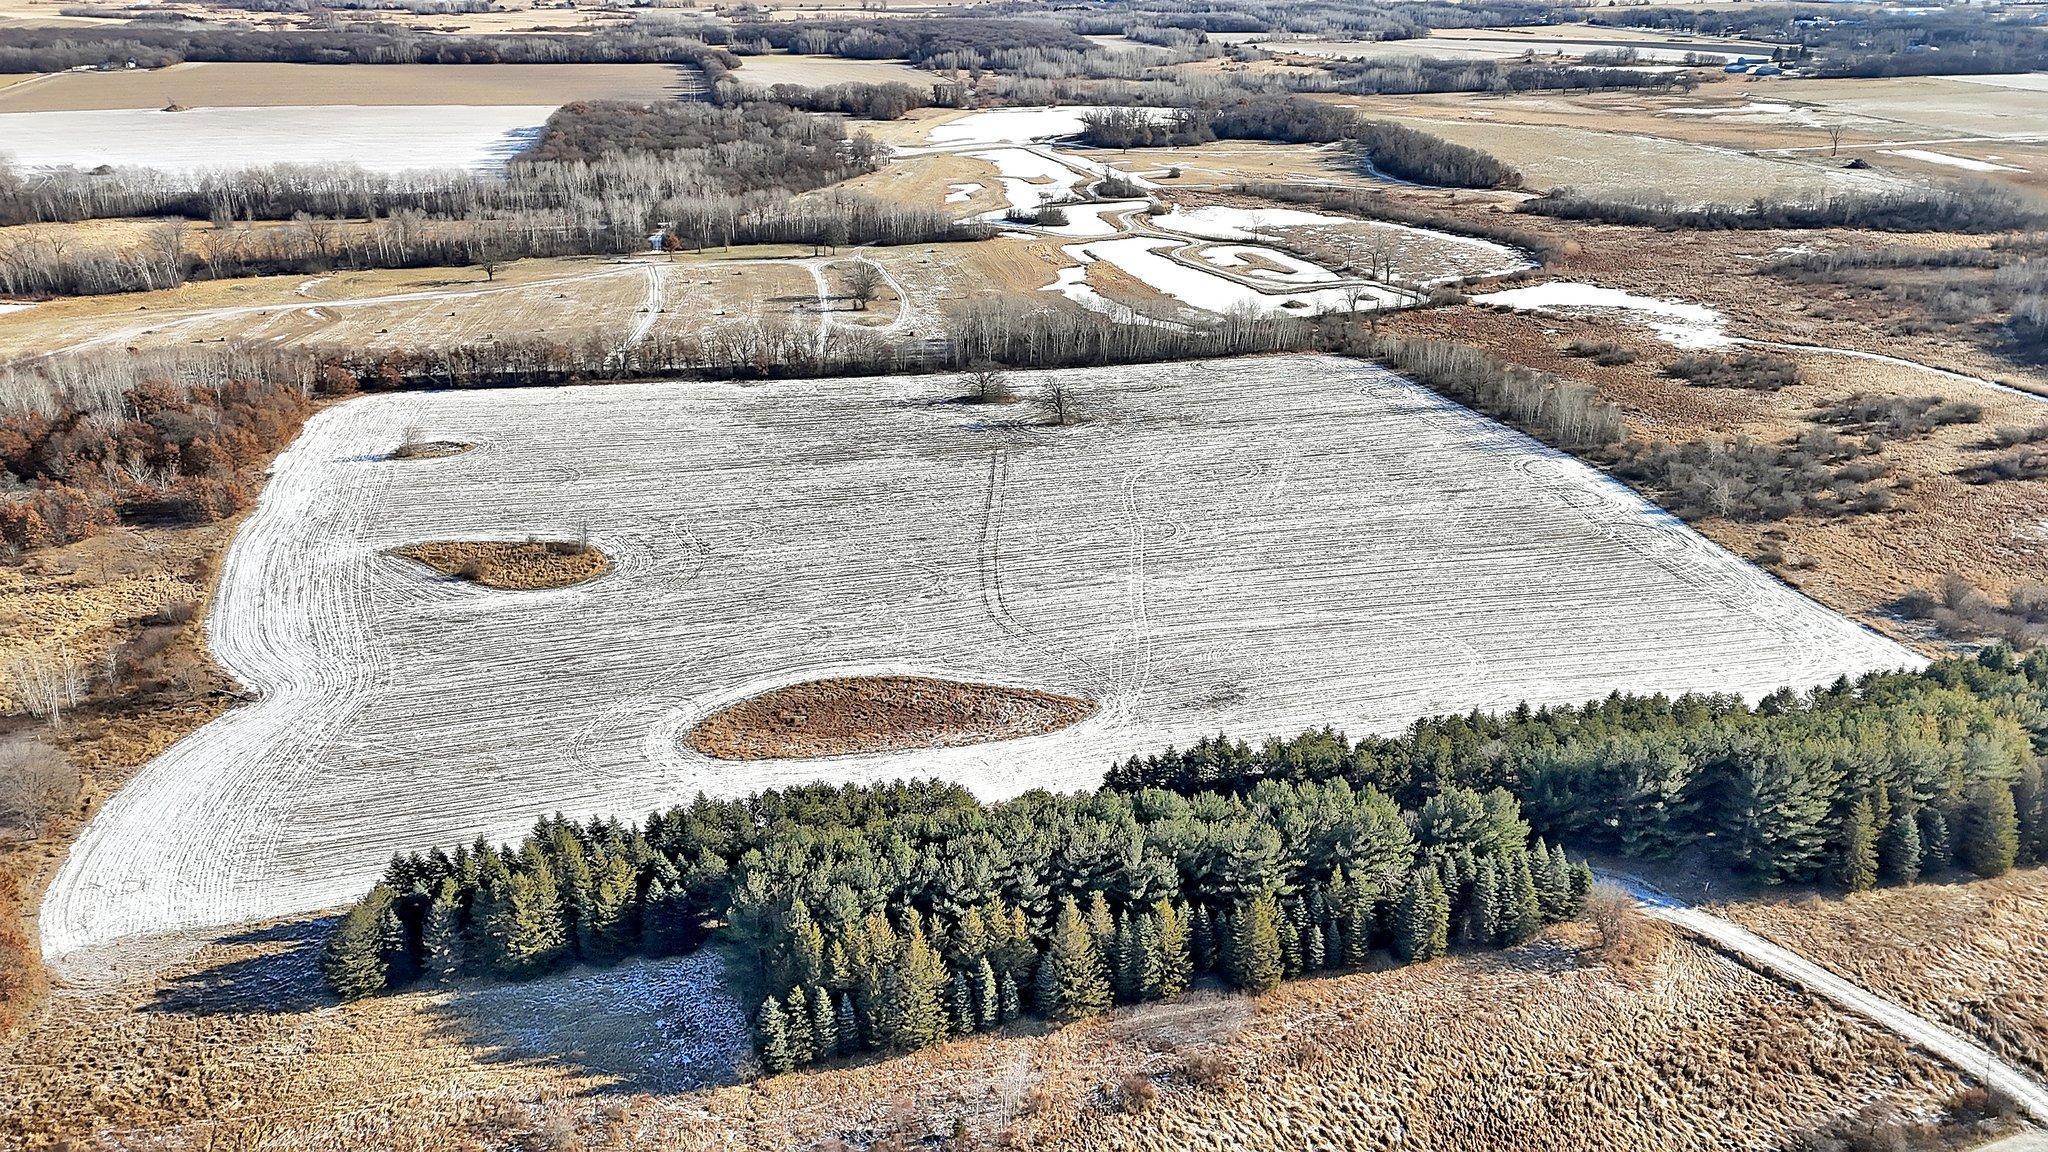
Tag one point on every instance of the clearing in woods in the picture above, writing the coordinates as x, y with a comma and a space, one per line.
1254, 546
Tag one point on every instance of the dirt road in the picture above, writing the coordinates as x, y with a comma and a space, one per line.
1964, 1055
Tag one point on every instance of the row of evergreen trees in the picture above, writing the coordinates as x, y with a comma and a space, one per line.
1886, 779
878, 987
909, 911
887, 917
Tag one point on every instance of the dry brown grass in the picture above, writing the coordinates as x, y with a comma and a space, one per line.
844, 715
127, 606
1973, 956
1859, 565
1541, 1048
526, 565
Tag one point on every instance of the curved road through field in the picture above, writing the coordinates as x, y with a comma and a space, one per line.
1964, 1055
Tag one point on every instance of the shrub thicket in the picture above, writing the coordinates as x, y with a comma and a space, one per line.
1977, 208
1393, 149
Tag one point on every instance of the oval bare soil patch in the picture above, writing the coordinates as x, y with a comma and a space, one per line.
849, 714
518, 565
430, 449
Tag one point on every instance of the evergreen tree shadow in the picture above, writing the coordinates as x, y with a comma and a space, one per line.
644, 1026
281, 977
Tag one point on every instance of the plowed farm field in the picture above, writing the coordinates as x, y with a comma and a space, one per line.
1253, 547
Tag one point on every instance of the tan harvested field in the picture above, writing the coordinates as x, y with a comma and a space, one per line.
1541, 1048
1973, 956
423, 308
1598, 33
846, 715
1555, 143
1730, 131
220, 85
1228, 162
520, 566
932, 180
817, 71
1541, 41
728, 294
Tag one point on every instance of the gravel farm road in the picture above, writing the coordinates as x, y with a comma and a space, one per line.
1965, 1056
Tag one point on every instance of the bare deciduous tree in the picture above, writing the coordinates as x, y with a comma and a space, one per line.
36, 783
988, 383
863, 284
46, 684
1059, 402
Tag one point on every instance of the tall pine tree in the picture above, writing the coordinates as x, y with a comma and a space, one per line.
1989, 839
1422, 920
1254, 951
1856, 859
353, 962
1072, 983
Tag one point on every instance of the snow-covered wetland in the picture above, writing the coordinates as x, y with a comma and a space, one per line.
1252, 547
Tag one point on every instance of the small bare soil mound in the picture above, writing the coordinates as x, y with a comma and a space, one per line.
835, 717
429, 449
516, 565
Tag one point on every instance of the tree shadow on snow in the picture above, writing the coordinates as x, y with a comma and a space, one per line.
644, 1026
281, 976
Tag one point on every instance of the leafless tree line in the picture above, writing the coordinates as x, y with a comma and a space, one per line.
97, 381
47, 684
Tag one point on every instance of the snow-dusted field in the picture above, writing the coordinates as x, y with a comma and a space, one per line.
381, 138
1251, 546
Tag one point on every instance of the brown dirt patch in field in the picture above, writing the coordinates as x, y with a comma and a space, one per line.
521, 566
845, 715
429, 449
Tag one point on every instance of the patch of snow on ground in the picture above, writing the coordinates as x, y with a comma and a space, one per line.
1029, 178
1677, 323
1087, 220
1751, 112
2024, 81
382, 139
1948, 161
653, 1025
1216, 222
1248, 260
1010, 126
1073, 284
1250, 546
961, 193
1142, 257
